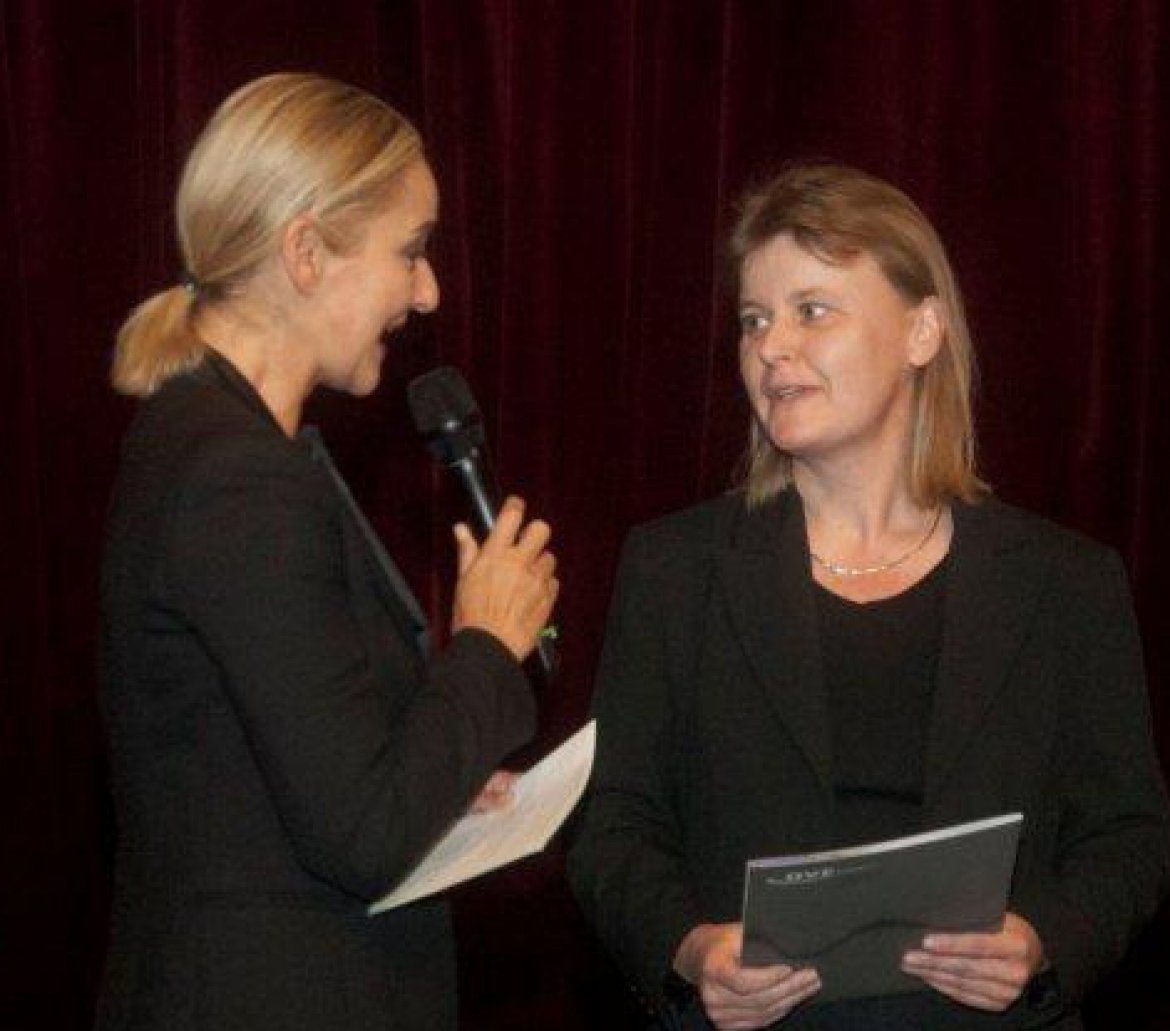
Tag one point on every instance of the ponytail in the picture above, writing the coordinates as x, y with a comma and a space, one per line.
156, 342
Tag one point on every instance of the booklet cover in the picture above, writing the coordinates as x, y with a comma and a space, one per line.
852, 913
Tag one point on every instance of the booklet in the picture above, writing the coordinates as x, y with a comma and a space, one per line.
852, 913
542, 799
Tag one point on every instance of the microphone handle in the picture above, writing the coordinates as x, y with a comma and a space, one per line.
485, 500
481, 490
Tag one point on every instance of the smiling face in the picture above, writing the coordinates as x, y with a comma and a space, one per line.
370, 290
828, 352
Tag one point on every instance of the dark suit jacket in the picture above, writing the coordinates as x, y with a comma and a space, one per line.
714, 737
282, 751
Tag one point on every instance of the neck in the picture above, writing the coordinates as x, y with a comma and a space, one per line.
266, 357
854, 507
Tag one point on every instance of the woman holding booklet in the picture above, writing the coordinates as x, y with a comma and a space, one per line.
861, 644
285, 745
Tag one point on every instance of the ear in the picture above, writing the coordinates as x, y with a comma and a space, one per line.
926, 333
303, 253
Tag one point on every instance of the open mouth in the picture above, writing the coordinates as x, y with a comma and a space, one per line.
787, 393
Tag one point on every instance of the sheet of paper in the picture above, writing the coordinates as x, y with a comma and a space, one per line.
542, 799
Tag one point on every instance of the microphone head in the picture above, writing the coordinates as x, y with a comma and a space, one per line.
445, 413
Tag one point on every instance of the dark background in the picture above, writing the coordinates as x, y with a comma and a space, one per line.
588, 155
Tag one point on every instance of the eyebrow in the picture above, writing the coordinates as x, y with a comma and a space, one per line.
809, 291
795, 297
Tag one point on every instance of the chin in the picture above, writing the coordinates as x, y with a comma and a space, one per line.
363, 386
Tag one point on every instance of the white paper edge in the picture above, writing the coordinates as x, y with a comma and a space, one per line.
579, 747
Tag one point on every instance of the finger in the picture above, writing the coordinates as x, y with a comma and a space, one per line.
765, 1007
491, 801
980, 994
500, 782
496, 793
467, 549
770, 983
503, 533
992, 980
533, 539
810, 988
996, 946
1005, 970
545, 566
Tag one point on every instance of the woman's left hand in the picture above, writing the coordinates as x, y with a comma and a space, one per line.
496, 794
987, 971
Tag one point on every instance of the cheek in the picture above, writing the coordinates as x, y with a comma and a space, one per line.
750, 367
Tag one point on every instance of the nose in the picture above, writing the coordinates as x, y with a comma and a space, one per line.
425, 296
775, 344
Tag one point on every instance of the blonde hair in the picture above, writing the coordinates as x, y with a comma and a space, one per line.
837, 213
277, 147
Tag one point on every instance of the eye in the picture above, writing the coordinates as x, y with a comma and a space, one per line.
752, 321
811, 311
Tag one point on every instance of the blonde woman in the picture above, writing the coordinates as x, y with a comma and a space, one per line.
285, 743
861, 644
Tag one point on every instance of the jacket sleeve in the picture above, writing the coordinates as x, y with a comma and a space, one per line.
1112, 863
625, 865
365, 775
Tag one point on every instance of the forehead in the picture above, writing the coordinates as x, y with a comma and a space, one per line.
783, 266
417, 194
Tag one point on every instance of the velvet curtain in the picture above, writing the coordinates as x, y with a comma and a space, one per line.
588, 156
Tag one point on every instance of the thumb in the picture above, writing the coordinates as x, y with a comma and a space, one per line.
467, 548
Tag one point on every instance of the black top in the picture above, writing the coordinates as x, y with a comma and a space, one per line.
880, 660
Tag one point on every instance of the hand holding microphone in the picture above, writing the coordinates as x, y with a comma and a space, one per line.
506, 583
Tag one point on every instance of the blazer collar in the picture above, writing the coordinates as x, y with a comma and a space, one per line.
993, 584
218, 369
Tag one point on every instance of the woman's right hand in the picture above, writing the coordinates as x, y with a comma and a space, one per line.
734, 996
506, 584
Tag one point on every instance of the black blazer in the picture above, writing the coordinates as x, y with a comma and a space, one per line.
714, 742
282, 751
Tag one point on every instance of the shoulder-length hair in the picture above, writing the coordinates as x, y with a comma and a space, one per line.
838, 213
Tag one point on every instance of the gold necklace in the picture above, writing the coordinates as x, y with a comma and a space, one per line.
839, 570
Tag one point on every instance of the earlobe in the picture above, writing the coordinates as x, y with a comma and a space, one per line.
926, 333
302, 252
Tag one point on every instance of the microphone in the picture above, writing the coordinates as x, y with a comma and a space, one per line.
446, 415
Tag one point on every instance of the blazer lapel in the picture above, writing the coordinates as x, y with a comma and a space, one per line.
765, 581
392, 587
992, 588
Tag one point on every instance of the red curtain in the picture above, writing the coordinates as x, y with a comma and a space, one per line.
588, 155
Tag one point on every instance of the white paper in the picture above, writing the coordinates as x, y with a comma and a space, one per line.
542, 799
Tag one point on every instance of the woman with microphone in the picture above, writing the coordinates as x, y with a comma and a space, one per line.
285, 743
